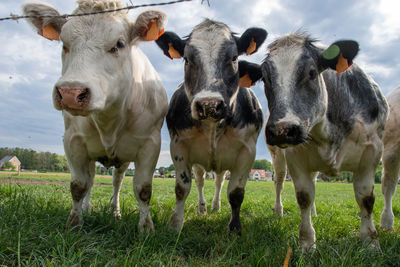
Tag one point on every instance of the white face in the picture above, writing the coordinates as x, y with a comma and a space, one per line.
96, 57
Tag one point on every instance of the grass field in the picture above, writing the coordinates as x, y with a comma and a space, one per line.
33, 217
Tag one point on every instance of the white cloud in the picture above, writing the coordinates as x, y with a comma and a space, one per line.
386, 27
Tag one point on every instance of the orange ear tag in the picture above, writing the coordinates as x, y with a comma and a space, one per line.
252, 47
173, 53
245, 81
50, 33
153, 32
342, 64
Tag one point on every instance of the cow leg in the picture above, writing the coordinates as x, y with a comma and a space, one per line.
81, 183
219, 182
391, 167
118, 176
279, 163
364, 193
86, 206
142, 181
313, 209
304, 186
183, 183
199, 175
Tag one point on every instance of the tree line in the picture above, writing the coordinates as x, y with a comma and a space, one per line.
32, 160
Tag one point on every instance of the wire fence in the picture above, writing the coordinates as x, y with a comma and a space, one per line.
17, 17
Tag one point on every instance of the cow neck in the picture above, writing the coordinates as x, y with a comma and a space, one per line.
109, 124
213, 131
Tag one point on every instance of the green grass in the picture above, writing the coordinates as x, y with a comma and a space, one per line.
33, 217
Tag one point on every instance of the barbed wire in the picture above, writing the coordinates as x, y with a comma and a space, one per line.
17, 17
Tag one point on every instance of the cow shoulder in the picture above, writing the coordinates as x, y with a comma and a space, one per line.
247, 110
179, 113
352, 94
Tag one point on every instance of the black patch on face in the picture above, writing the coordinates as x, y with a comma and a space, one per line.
179, 114
194, 71
145, 193
78, 190
185, 178
303, 199
179, 192
236, 199
368, 203
247, 110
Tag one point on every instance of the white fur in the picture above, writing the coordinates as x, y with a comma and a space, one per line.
127, 106
391, 158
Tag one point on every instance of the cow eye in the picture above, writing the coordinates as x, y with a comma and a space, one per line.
120, 44
312, 74
186, 60
65, 49
234, 58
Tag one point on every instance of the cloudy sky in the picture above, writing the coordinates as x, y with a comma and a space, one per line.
30, 65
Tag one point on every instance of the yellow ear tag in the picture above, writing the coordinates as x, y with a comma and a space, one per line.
153, 32
252, 47
245, 81
342, 64
50, 33
173, 53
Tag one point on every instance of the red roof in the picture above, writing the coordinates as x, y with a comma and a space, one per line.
260, 172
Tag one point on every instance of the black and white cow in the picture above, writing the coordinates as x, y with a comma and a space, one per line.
112, 98
213, 123
320, 121
391, 158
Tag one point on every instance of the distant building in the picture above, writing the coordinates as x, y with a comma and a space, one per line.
13, 160
260, 175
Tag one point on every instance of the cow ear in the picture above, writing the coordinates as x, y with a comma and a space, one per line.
251, 40
149, 25
339, 55
249, 73
49, 28
171, 44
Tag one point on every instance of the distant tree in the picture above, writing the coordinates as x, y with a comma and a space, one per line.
263, 164
378, 173
171, 168
8, 166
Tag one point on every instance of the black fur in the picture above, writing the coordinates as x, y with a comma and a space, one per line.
247, 111
252, 69
257, 34
171, 38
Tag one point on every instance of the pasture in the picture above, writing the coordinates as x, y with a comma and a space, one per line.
33, 217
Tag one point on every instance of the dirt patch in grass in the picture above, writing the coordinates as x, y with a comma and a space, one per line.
9, 180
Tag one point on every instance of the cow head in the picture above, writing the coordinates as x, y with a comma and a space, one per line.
96, 56
211, 65
294, 86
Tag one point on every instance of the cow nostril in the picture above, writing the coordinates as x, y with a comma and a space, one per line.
220, 106
292, 132
83, 96
58, 94
200, 109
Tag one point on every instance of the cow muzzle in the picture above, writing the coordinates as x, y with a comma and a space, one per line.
208, 109
72, 97
284, 134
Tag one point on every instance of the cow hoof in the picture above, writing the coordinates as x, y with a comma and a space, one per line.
117, 214
216, 206
387, 219
235, 229
74, 222
87, 208
202, 208
146, 226
374, 245
308, 247
175, 223
278, 210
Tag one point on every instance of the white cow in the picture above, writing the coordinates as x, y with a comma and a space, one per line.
391, 157
112, 99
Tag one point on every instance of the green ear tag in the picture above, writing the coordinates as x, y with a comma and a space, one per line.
332, 52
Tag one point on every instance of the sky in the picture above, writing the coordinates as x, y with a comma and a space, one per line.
30, 64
